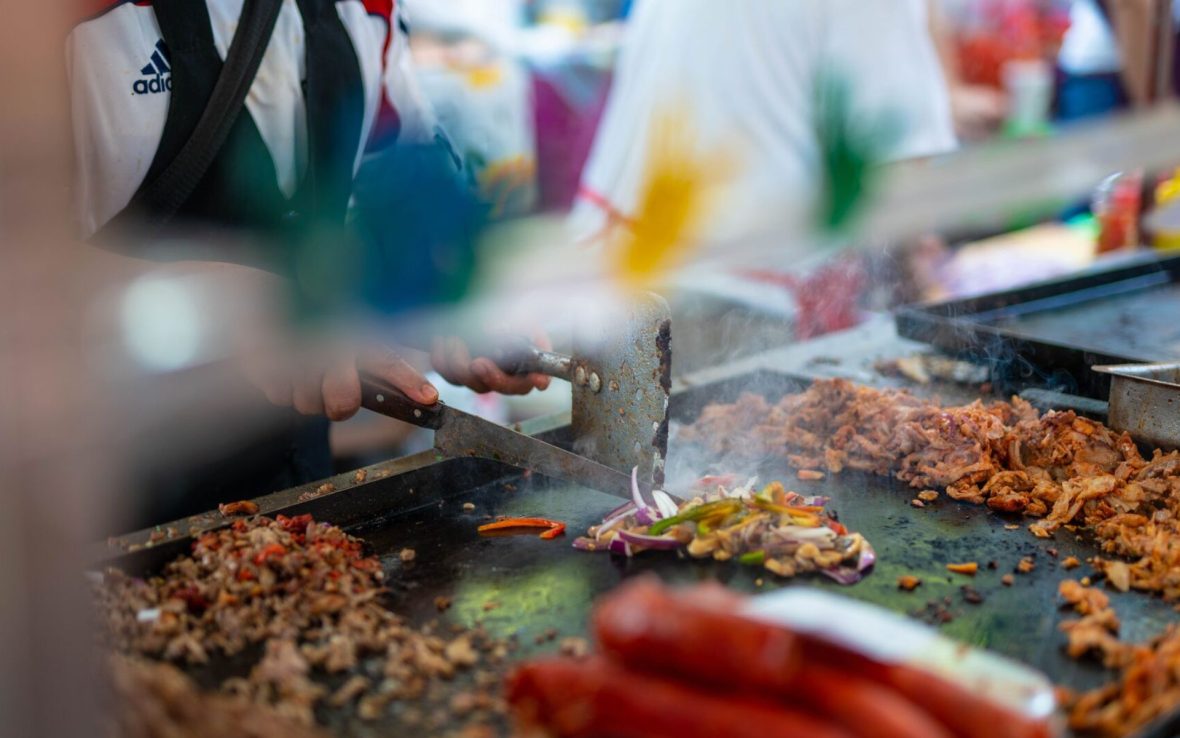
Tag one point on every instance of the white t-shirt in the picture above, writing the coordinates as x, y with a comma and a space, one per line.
120, 89
742, 78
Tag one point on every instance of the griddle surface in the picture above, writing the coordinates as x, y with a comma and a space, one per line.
1141, 324
538, 584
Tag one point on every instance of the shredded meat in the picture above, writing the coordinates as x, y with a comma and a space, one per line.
1060, 468
1148, 683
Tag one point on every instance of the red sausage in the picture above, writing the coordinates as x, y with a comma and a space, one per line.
965, 714
646, 626
595, 698
869, 709
696, 635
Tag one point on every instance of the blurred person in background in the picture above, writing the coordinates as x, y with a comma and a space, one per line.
999, 56
334, 84
788, 102
1109, 55
749, 79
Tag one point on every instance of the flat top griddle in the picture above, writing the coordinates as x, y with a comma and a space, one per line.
538, 585
1052, 332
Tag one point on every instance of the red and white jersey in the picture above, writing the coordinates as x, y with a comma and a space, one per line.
120, 87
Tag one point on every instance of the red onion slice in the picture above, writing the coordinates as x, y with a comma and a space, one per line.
658, 543
619, 546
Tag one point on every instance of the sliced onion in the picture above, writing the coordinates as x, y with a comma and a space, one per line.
614, 518
636, 496
816, 501
646, 516
623, 509
608, 527
745, 489
849, 575
664, 503
659, 543
843, 574
868, 557
619, 546
802, 534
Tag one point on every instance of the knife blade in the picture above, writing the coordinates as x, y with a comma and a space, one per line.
458, 434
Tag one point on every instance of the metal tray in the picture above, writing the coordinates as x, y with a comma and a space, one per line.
1052, 332
541, 584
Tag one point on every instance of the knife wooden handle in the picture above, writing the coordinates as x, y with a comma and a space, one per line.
382, 397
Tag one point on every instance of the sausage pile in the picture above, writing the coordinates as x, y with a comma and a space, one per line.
1058, 467
305, 595
685, 665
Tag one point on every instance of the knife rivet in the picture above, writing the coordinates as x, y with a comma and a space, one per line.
595, 382
580, 375
380, 398
417, 413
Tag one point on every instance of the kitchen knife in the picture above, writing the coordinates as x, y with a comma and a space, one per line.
458, 434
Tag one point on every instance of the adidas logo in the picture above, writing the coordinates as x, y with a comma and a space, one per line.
157, 74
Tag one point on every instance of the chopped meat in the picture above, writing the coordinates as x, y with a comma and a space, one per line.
574, 647
242, 507
442, 604
908, 582
157, 699
1070, 562
1147, 686
360, 476
917, 503
1007, 580
468, 507
810, 475
308, 596
354, 687
407, 555
1118, 574
460, 653
1025, 565
928, 495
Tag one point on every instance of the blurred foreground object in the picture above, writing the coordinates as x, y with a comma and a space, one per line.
795, 663
58, 470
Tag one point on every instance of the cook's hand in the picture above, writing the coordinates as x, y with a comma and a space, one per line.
452, 359
334, 388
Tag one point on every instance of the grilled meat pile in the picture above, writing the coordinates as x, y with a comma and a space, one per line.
1148, 683
155, 700
1060, 468
308, 596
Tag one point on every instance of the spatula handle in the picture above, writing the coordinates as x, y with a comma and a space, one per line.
382, 397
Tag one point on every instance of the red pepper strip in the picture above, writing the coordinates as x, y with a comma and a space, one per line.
555, 527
